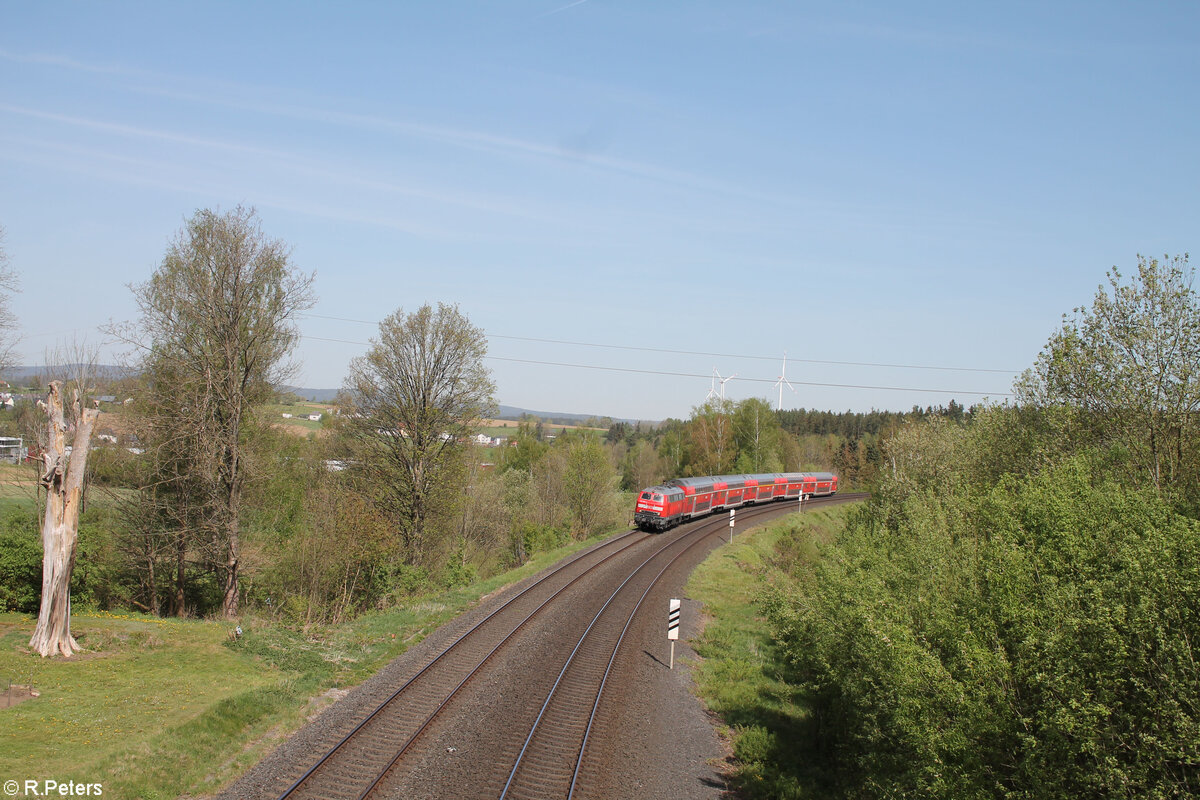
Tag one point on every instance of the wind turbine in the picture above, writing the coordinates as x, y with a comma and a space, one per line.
782, 380
724, 381
712, 391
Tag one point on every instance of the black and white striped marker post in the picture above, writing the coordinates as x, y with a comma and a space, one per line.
732, 513
673, 614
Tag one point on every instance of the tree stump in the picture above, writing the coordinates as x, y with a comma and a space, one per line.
62, 478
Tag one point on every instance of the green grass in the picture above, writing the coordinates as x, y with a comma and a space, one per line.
142, 676
274, 414
159, 708
739, 675
510, 431
18, 482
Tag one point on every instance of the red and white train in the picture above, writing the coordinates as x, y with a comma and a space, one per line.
681, 499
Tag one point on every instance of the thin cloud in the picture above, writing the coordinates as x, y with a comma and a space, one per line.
130, 130
464, 138
53, 60
297, 163
479, 141
168, 176
560, 9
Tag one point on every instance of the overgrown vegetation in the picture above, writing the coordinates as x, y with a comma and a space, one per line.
198, 504
742, 676
1015, 612
163, 707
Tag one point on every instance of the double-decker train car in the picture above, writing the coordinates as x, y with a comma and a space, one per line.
681, 499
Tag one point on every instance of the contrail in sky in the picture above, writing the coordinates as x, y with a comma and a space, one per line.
563, 8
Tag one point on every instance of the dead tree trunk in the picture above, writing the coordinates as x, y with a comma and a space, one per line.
62, 477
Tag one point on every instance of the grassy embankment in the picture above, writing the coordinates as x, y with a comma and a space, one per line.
738, 677
158, 708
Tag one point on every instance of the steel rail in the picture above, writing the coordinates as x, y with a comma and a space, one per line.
461, 639
616, 649
483, 662
700, 535
581, 555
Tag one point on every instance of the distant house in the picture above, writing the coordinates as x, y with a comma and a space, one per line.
287, 415
106, 398
314, 417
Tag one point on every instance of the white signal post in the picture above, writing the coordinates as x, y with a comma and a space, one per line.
732, 512
801, 501
673, 614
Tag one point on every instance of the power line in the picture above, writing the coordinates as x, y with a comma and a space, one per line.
754, 380
743, 356
702, 353
671, 374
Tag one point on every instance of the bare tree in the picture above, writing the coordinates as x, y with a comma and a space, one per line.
418, 392
74, 365
62, 478
217, 323
9, 285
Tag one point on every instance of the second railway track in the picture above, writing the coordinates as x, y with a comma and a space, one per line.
504, 710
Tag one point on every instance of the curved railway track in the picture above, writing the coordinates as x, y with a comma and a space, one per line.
542, 749
548, 764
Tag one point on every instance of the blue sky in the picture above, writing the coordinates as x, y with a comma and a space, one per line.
921, 184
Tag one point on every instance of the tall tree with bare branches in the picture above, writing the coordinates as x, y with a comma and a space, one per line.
8, 322
217, 324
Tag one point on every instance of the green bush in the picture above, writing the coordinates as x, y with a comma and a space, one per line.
754, 744
405, 580
540, 538
1033, 640
20, 561
458, 572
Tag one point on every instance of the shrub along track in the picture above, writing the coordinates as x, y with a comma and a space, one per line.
505, 706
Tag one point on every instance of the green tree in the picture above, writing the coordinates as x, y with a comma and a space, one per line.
711, 445
642, 466
526, 449
1127, 370
217, 324
417, 394
672, 448
758, 437
588, 483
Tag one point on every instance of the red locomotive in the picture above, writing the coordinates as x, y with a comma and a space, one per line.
681, 499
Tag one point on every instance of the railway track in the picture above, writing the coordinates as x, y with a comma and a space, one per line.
548, 764
541, 751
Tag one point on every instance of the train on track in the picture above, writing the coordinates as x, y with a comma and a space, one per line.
661, 507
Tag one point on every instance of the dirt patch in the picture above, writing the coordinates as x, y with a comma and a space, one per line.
17, 694
321, 701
